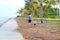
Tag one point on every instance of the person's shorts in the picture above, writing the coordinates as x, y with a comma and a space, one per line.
29, 21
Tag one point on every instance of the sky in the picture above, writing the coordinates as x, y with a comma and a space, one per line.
9, 8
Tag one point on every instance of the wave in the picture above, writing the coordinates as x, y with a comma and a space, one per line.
3, 20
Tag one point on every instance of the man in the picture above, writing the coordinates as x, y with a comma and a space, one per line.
29, 18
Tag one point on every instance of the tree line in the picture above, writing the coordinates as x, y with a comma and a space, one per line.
40, 8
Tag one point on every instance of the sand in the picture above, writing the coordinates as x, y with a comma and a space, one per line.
37, 32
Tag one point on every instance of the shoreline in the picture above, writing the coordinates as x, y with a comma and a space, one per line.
7, 30
5, 22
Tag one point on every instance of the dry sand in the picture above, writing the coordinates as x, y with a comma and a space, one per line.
37, 32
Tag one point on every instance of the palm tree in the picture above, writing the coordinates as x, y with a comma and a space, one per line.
38, 6
47, 3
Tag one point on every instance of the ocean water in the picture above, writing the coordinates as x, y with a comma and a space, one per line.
4, 20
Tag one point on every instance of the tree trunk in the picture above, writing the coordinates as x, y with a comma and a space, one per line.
41, 10
41, 13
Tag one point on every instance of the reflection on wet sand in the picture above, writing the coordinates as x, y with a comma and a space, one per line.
7, 33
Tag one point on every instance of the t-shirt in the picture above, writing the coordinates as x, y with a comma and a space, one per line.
29, 17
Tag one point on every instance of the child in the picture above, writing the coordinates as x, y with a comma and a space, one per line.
34, 22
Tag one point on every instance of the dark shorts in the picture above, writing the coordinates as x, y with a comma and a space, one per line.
29, 21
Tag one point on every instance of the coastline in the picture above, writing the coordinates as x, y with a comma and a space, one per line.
1, 24
7, 31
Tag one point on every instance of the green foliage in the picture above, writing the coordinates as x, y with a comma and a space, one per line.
36, 13
51, 16
37, 8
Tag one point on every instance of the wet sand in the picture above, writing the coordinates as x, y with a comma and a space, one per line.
7, 31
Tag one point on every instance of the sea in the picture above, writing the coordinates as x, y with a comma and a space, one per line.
4, 20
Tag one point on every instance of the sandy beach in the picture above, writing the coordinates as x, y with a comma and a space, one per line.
38, 32
20, 29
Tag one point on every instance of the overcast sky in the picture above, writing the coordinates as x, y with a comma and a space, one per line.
8, 8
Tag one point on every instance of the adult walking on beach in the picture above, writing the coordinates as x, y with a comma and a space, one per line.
29, 18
